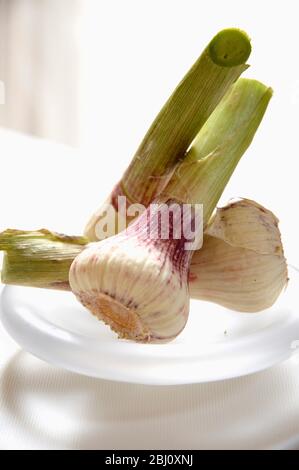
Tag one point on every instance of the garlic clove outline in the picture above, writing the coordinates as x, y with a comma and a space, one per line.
241, 265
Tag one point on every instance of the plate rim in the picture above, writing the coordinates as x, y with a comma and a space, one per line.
18, 327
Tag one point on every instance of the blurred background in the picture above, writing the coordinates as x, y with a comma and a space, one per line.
39, 63
91, 75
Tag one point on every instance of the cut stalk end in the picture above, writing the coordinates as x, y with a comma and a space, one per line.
230, 47
38, 258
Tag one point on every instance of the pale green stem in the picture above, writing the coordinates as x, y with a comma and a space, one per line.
218, 147
39, 258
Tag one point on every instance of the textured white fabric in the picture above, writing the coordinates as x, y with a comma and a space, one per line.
42, 407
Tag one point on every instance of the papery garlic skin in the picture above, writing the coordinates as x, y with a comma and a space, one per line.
241, 264
137, 286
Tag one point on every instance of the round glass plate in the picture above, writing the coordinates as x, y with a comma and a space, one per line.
216, 343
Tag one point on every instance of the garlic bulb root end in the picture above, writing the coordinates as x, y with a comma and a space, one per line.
122, 320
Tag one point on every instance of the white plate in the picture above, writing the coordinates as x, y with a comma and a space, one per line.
216, 344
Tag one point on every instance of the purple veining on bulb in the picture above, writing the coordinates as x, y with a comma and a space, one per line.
167, 227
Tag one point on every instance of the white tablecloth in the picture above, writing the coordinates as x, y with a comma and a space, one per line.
42, 407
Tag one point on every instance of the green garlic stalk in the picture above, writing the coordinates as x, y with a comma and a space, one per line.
38, 258
178, 123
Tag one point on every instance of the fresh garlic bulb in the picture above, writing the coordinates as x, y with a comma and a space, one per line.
136, 284
241, 264
139, 286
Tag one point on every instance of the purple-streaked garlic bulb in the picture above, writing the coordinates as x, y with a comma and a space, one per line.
137, 281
